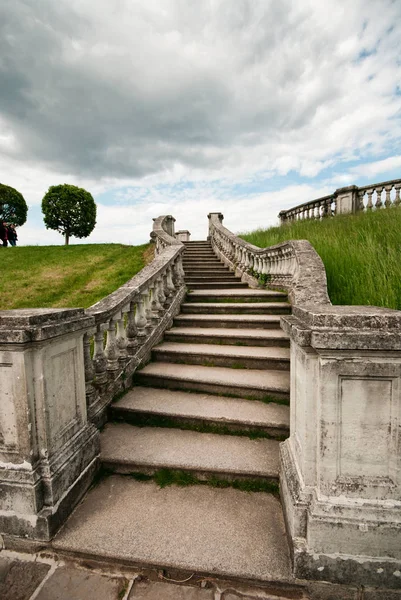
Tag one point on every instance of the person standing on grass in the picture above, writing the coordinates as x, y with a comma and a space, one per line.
3, 233
12, 235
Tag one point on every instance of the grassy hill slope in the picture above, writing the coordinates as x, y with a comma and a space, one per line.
361, 254
66, 276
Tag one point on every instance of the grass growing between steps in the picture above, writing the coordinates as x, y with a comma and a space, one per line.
141, 420
361, 254
67, 276
166, 477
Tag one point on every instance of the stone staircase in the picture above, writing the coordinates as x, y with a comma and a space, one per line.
211, 407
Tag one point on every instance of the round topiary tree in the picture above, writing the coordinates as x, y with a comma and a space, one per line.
70, 210
13, 208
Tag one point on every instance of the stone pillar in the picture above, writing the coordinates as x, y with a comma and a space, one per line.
282, 215
211, 217
183, 235
48, 449
341, 466
347, 200
169, 225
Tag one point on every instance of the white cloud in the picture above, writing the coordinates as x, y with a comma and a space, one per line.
158, 93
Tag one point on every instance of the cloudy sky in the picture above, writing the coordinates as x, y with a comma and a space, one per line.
188, 106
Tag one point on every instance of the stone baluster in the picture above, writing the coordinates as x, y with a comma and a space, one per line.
121, 339
397, 200
156, 309
111, 349
89, 370
256, 264
243, 259
167, 293
160, 292
379, 202
132, 330
140, 316
361, 195
170, 283
148, 310
175, 275
387, 202
369, 204
263, 264
99, 357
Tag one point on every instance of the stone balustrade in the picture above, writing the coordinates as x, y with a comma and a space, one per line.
379, 195
345, 200
315, 209
130, 321
59, 371
293, 266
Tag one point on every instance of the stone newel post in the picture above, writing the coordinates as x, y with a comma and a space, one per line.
347, 200
341, 466
183, 235
48, 450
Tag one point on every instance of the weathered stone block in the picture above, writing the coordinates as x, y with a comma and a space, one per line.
341, 466
48, 450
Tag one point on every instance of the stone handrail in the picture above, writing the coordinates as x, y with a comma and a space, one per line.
163, 233
131, 320
294, 265
349, 199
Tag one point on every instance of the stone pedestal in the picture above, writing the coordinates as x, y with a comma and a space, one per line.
341, 467
48, 450
183, 235
346, 200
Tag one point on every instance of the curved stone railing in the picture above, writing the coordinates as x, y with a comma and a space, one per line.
350, 199
293, 266
314, 209
131, 320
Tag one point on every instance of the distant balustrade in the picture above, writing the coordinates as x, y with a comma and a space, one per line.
350, 199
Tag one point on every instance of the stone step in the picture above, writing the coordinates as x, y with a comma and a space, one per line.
248, 295
223, 532
245, 308
125, 448
210, 277
231, 321
216, 355
199, 254
201, 263
218, 286
241, 383
218, 268
142, 404
217, 335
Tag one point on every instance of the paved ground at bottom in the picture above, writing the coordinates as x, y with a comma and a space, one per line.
32, 577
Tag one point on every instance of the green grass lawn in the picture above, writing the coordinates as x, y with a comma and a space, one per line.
361, 254
66, 276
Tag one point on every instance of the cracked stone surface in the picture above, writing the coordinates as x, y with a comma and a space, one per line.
19, 579
68, 583
168, 591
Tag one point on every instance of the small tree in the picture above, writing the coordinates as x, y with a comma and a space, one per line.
70, 210
13, 208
